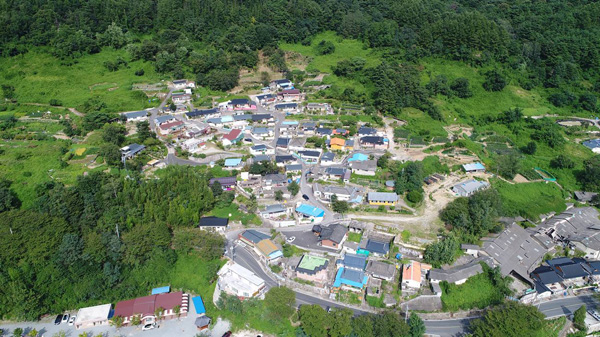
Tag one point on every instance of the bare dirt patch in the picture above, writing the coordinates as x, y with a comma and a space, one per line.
520, 179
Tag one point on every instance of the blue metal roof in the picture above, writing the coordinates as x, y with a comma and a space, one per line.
161, 290
353, 278
199, 305
592, 143
232, 162
359, 157
355, 261
473, 167
378, 247
310, 210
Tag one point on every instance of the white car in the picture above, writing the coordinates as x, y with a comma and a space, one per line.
65, 318
72, 320
291, 239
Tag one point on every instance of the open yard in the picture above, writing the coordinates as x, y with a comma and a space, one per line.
530, 199
477, 292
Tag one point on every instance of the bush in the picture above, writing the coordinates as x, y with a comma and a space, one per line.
139, 72
325, 47
55, 102
460, 88
415, 196
494, 81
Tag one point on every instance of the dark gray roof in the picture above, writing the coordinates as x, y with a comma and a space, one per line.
259, 147
365, 131
584, 196
324, 131
213, 221
245, 117
240, 101
569, 271
135, 114
334, 233
308, 153
461, 272
224, 180
261, 157
283, 142
284, 158
254, 236
132, 149
260, 117
286, 106
293, 167
200, 113
338, 171
372, 140
353, 275
354, 261
545, 275
202, 321
515, 250
329, 156
281, 81
374, 246
381, 269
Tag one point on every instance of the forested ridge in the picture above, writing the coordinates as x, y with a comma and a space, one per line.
549, 42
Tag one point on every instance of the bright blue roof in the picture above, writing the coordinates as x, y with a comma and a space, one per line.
226, 119
310, 210
199, 305
473, 167
232, 162
161, 290
350, 277
359, 157
276, 254
290, 123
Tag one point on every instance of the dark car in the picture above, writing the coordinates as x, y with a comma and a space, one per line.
304, 196
227, 334
58, 320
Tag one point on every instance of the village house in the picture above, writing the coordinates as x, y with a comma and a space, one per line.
364, 168
459, 274
308, 213
170, 128
268, 251
227, 183
238, 281
333, 236
263, 118
467, 188
233, 137
358, 157
584, 197
286, 107
266, 99
240, 104
282, 143
271, 181
282, 160
313, 269
214, 223
90, 317
474, 167
592, 144
233, 164
309, 156
209, 113
348, 279
350, 194
135, 116
382, 198
364, 131
381, 270
289, 95
261, 149
294, 169
323, 132
163, 119
182, 84
411, 275
318, 107
328, 158
193, 145
281, 84
262, 133
275, 211
130, 151
181, 97
377, 246
352, 261
146, 307
252, 237
374, 142
337, 144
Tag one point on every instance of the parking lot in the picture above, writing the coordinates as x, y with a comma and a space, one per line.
305, 239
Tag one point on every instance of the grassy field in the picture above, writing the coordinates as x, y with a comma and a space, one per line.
39, 77
236, 215
477, 292
530, 199
354, 237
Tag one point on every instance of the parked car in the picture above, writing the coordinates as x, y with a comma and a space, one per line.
305, 197
149, 326
65, 318
72, 320
58, 319
227, 334
291, 239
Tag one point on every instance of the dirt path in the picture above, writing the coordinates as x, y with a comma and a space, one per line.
73, 110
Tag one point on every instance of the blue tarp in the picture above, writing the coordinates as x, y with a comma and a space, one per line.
199, 305
359, 157
161, 290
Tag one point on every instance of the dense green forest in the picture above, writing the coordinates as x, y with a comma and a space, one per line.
105, 238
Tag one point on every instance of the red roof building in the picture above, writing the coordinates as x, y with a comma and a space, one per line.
232, 137
146, 306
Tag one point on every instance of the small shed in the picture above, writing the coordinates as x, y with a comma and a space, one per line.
202, 321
